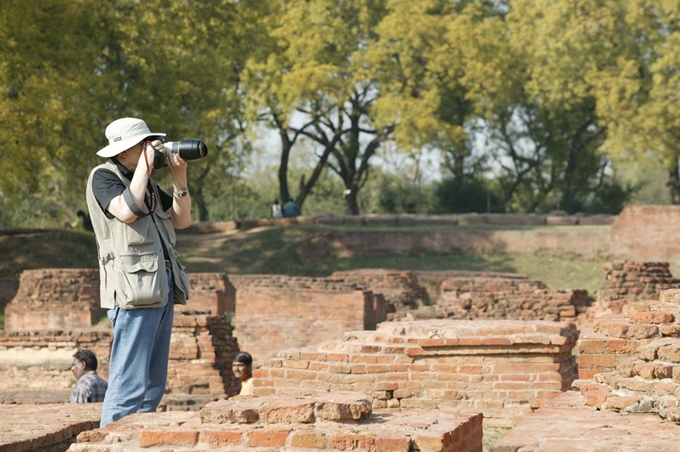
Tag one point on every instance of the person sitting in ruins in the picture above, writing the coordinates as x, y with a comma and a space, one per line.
242, 366
90, 387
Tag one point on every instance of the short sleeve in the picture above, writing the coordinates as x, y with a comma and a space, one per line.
106, 186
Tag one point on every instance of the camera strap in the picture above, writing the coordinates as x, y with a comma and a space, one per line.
144, 145
152, 197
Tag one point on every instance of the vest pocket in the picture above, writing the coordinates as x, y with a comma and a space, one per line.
139, 283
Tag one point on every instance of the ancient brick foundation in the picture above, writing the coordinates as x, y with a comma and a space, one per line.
199, 369
629, 367
630, 282
57, 299
567, 424
48, 428
340, 421
401, 288
504, 369
211, 292
277, 312
631, 362
480, 295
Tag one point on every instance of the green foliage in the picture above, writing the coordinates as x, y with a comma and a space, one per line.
461, 195
610, 197
67, 68
539, 96
400, 195
648, 177
50, 101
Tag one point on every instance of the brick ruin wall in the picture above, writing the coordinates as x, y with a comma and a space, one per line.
63, 299
504, 369
630, 362
632, 281
211, 292
401, 288
271, 317
199, 369
37, 346
59, 299
468, 295
646, 233
276, 312
433, 368
41, 360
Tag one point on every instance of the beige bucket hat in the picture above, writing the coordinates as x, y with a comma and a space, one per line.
124, 133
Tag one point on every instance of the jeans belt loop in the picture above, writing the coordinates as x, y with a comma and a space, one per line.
168, 265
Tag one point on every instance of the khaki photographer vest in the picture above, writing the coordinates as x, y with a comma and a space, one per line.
132, 270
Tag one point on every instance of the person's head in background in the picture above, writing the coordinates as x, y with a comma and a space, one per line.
242, 366
83, 361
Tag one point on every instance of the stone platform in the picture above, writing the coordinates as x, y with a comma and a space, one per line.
567, 424
339, 421
45, 427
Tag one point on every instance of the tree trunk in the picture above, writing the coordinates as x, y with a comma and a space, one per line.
352, 200
306, 187
197, 197
284, 194
674, 182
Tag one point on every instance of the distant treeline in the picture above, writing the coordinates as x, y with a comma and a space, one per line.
533, 105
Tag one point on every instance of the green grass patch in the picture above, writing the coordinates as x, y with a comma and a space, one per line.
45, 248
295, 251
310, 251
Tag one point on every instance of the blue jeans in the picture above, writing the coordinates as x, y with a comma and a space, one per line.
138, 369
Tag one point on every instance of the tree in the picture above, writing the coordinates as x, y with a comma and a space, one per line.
637, 88
546, 127
179, 64
420, 64
310, 81
51, 99
67, 68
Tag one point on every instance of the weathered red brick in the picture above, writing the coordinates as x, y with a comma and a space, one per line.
392, 444
267, 437
308, 439
150, 438
219, 439
352, 441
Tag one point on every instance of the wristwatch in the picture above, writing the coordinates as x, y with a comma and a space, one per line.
181, 193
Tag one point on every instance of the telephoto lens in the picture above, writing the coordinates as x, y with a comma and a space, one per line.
189, 149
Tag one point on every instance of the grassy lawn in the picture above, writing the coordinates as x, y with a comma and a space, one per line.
294, 250
286, 250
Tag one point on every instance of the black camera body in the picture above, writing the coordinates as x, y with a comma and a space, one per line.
188, 149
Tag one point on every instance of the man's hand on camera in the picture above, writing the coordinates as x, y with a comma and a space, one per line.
150, 152
177, 166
